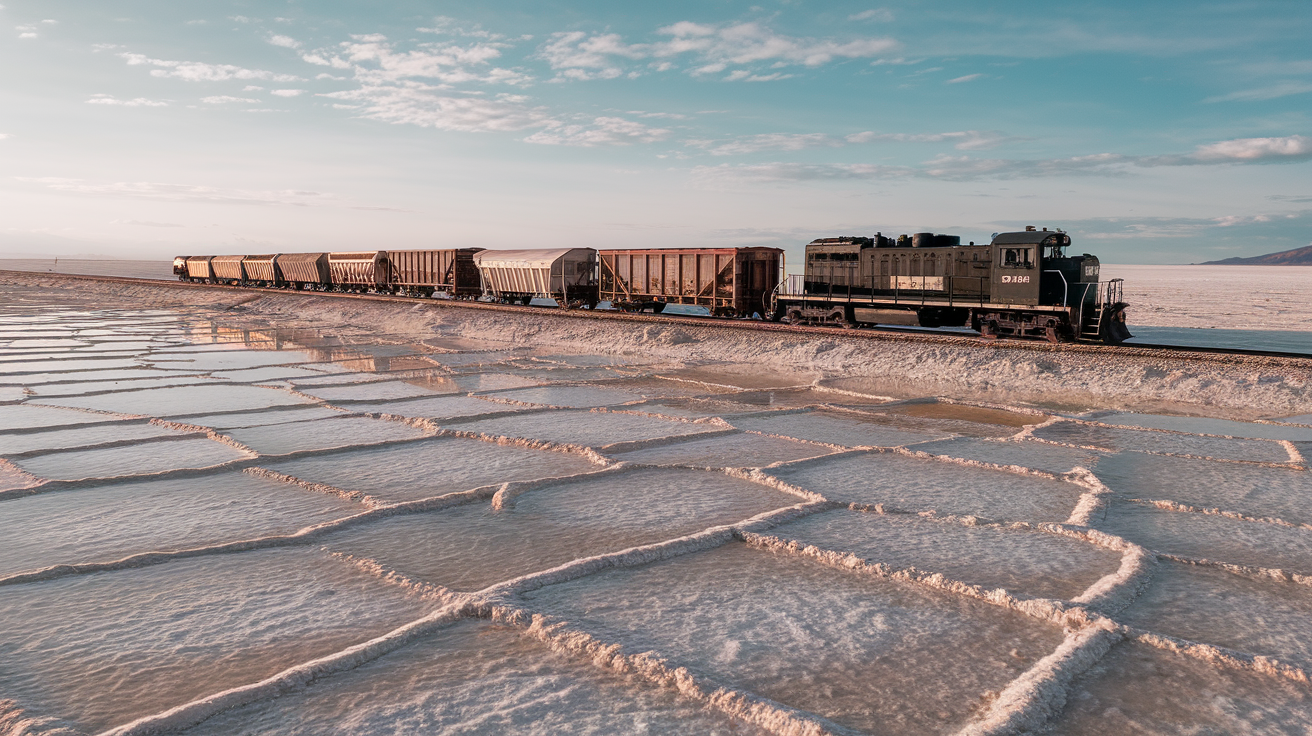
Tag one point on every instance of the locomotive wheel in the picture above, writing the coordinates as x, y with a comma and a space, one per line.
794, 316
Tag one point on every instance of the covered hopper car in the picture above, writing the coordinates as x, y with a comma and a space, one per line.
567, 275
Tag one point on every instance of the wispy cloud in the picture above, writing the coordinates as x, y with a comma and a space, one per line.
414, 103
711, 49
288, 92
967, 78
877, 15
196, 71
602, 131
103, 99
285, 41
181, 192
1270, 92
144, 223
225, 99
964, 140
1239, 151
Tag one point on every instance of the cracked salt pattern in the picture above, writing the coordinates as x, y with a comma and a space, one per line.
1218, 607
1143, 691
475, 678
471, 547
912, 484
488, 580
87, 649
141, 459
430, 468
739, 449
1030, 562
1252, 490
110, 521
867, 654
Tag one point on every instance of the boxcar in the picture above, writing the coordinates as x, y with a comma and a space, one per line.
424, 272
227, 268
304, 270
567, 275
261, 270
358, 271
198, 268
727, 281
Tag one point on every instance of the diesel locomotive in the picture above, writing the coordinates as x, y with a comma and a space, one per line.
1021, 284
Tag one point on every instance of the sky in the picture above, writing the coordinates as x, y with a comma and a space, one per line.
1152, 132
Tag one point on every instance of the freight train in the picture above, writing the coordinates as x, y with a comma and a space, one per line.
1020, 284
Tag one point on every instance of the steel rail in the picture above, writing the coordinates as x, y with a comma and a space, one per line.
889, 334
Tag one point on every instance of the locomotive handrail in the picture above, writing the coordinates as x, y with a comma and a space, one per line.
1065, 287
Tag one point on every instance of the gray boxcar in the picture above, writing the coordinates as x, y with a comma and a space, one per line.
423, 272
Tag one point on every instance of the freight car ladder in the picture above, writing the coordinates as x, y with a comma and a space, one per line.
1108, 300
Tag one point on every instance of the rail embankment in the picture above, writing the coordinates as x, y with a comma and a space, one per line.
1069, 378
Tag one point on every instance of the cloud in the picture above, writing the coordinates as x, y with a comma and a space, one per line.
1242, 150
252, 88
225, 99
26, 31
196, 71
375, 61
964, 168
603, 131
285, 41
1283, 89
3, 135
103, 99
967, 78
288, 92
767, 142
181, 192
963, 140
414, 103
880, 15
712, 49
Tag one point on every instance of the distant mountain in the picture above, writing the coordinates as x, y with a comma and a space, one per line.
1296, 257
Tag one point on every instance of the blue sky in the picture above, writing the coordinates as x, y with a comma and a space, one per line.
1154, 132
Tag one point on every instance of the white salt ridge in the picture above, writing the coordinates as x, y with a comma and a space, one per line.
581, 427
86, 649
574, 397
1162, 442
142, 458
1217, 607
912, 483
1213, 534
1251, 490
741, 449
1207, 426
474, 676
110, 521
1140, 689
441, 407
54, 439
322, 434
1035, 455
184, 400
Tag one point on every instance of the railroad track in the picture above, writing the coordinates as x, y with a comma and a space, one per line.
1180, 352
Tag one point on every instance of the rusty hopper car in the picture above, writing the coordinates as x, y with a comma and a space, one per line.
304, 270
227, 268
727, 281
424, 272
567, 275
261, 270
1022, 284
359, 271
198, 268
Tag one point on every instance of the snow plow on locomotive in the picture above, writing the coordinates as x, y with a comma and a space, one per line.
1021, 284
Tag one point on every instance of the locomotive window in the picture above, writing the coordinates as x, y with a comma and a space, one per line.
819, 256
1017, 258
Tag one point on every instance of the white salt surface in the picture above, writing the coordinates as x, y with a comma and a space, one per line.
642, 560
912, 484
87, 650
107, 522
870, 655
474, 678
1274, 297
